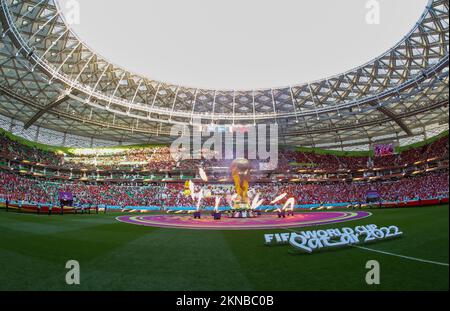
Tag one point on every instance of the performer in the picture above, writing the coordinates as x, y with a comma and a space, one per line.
281, 213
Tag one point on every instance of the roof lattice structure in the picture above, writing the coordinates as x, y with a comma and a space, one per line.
51, 79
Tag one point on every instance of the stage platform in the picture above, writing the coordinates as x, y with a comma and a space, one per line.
266, 221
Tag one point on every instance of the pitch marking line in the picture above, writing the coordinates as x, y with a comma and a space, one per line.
392, 254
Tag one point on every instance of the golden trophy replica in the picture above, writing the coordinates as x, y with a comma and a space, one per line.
240, 171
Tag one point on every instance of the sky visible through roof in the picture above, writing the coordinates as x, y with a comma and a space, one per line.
241, 44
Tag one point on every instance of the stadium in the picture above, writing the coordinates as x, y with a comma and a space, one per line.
152, 186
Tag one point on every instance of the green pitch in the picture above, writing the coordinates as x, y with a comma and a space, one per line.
116, 256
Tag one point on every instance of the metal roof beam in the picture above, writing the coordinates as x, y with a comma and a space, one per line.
47, 108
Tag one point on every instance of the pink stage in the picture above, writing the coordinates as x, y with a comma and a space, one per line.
266, 221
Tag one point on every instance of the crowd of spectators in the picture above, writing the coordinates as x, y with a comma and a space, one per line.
16, 150
21, 188
151, 158
18, 188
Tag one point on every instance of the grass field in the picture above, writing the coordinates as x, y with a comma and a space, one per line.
116, 256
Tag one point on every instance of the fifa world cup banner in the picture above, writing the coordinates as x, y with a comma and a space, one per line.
65, 196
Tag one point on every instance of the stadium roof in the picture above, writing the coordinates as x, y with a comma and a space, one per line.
51, 81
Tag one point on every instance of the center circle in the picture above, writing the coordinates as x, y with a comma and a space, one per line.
266, 221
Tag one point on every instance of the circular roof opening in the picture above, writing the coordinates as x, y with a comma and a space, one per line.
237, 44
